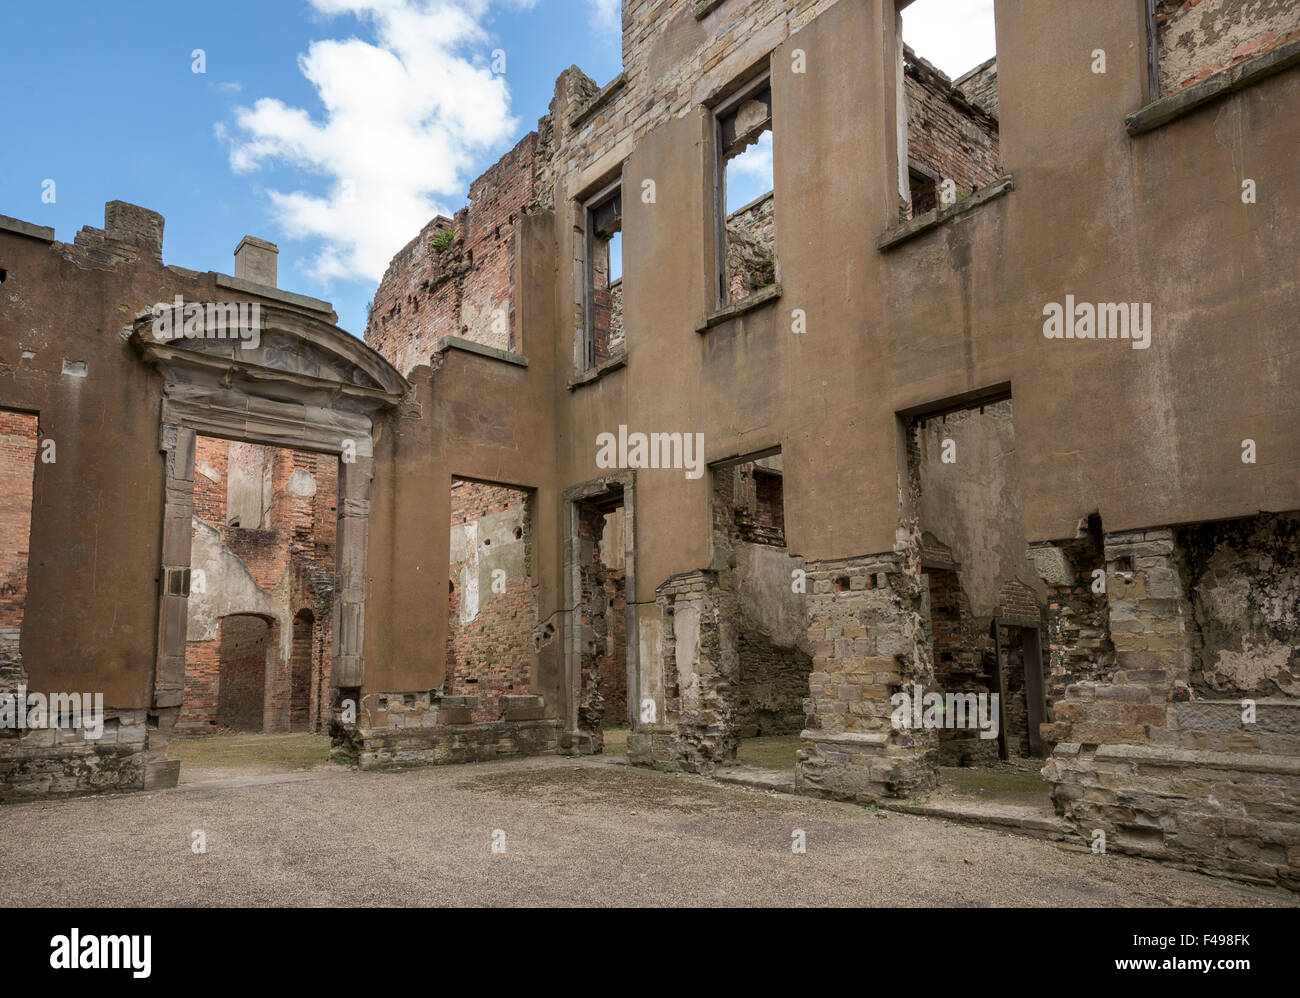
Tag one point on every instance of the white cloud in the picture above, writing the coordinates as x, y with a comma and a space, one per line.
955, 35
405, 118
607, 15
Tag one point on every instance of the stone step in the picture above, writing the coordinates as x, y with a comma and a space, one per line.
1026, 819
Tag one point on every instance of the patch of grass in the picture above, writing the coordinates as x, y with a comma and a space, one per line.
273, 753
992, 781
616, 740
774, 752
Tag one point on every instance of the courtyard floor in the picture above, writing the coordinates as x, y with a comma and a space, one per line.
575, 832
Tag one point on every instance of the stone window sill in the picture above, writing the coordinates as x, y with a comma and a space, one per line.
594, 374
1244, 74
469, 346
757, 300
933, 219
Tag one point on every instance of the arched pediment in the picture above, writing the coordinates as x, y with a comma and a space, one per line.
265, 349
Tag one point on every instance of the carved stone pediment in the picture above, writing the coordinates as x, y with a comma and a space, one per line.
265, 350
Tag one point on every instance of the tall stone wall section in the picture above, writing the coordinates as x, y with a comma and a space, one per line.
1161, 768
868, 641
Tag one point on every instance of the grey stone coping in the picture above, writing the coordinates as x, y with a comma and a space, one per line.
470, 346
16, 225
257, 243
1244, 74
1155, 755
770, 195
846, 737
603, 97
469, 701
599, 371
275, 294
756, 300
938, 216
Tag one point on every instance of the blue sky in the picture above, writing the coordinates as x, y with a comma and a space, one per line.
334, 128
402, 112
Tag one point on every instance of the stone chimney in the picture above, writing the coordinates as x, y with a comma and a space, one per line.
255, 260
130, 223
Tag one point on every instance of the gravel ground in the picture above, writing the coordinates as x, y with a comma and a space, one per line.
577, 832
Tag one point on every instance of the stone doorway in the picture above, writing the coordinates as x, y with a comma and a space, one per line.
299, 383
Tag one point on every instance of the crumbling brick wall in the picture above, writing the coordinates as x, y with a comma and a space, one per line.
949, 135
289, 557
18, 445
490, 632
1197, 38
607, 308
242, 657
456, 278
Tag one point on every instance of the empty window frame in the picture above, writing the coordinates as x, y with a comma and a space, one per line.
603, 295
744, 193
947, 124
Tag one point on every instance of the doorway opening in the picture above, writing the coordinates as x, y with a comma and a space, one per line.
259, 615
604, 708
983, 604
492, 597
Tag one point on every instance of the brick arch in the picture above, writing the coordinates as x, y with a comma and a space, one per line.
246, 645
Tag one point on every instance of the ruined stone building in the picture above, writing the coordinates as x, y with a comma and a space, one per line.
996, 391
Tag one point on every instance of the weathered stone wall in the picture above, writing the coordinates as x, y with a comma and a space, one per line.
868, 642
427, 729
1197, 38
1160, 768
1244, 579
54, 762
961, 652
980, 86
491, 617
698, 701
603, 663
751, 248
